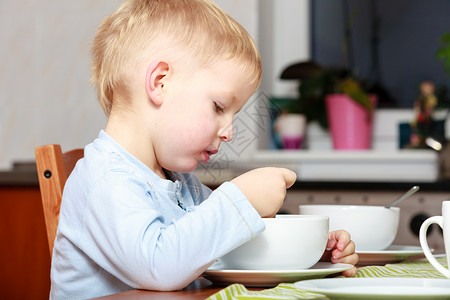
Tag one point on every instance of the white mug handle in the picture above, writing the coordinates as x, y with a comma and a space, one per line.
424, 243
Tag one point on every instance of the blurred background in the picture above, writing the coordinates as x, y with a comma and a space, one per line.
45, 96
391, 46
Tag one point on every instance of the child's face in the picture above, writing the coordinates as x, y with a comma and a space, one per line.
197, 114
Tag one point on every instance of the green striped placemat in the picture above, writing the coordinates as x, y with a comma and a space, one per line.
417, 269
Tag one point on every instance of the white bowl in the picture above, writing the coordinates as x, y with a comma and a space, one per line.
372, 228
293, 243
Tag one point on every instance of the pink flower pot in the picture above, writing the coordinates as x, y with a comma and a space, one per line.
350, 123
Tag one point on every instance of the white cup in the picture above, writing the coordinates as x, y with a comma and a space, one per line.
444, 222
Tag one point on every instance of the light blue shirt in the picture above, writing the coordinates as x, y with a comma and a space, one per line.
122, 227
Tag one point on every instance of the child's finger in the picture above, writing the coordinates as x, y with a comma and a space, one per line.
289, 177
331, 244
341, 237
350, 273
348, 250
348, 259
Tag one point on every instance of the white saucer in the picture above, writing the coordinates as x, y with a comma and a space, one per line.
379, 288
392, 254
220, 275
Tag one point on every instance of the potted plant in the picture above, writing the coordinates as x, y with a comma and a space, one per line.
337, 100
443, 52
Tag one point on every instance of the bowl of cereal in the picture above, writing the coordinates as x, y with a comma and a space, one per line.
287, 243
372, 228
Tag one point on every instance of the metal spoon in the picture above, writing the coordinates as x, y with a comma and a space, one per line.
404, 196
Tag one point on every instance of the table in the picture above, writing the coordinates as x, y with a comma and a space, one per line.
201, 288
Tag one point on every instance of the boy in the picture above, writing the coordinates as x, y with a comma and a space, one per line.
170, 75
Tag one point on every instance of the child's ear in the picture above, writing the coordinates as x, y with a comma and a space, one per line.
155, 79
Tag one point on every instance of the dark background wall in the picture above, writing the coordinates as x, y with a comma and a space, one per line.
408, 37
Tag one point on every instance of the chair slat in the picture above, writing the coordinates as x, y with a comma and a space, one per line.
53, 168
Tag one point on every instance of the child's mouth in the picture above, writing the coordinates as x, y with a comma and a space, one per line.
207, 154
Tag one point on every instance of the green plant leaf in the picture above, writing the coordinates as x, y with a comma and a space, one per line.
353, 89
443, 53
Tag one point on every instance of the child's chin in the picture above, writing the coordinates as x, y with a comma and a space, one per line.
182, 169
189, 168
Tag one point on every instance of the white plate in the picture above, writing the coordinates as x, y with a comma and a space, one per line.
392, 254
379, 288
269, 278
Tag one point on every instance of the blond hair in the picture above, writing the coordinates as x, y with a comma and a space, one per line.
197, 27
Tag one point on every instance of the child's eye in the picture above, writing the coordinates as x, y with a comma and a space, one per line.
218, 107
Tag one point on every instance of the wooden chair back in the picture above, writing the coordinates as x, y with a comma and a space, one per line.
53, 168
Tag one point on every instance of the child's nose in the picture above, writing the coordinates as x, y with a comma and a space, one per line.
226, 133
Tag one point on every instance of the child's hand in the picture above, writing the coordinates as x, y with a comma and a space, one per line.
265, 188
341, 249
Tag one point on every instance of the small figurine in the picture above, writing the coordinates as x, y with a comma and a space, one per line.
424, 106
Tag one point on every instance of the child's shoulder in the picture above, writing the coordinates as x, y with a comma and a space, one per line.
104, 157
101, 159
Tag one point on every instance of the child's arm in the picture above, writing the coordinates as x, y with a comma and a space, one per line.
136, 242
127, 229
